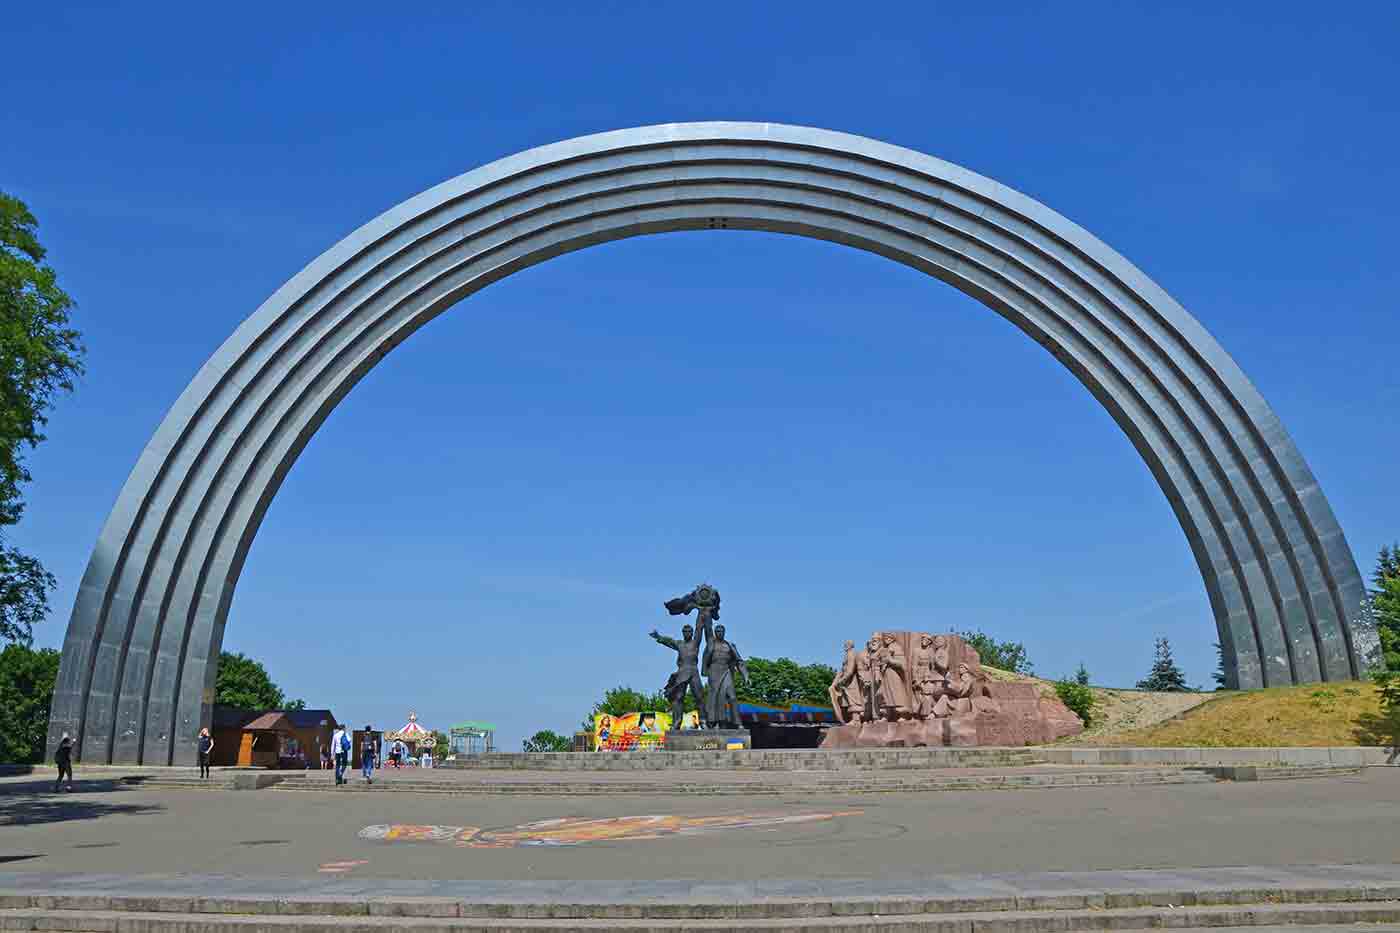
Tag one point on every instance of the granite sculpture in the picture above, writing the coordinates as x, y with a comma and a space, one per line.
915, 688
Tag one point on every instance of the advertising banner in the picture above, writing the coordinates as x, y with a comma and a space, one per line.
630, 732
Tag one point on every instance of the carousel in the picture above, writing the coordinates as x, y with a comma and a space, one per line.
415, 739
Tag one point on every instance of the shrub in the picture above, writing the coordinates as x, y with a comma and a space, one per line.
1077, 697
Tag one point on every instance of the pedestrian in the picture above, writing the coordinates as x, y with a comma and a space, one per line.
367, 752
340, 744
206, 745
63, 757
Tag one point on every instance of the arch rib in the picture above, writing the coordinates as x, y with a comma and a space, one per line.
136, 677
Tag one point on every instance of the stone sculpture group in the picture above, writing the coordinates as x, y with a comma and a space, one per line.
718, 701
914, 688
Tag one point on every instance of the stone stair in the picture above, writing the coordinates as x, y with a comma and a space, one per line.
897, 782
1242, 908
867, 759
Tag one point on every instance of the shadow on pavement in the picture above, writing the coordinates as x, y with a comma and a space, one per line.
33, 803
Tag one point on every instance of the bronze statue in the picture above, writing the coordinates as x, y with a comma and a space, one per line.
704, 602
686, 676
722, 662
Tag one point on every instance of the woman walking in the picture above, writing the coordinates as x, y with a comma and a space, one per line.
206, 745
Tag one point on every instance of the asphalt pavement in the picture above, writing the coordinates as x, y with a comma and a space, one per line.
1333, 820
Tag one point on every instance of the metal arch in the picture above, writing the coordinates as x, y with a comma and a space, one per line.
136, 677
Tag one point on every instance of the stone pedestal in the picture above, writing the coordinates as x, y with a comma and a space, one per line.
695, 740
1022, 717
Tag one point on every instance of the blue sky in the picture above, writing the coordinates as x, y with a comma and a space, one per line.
487, 526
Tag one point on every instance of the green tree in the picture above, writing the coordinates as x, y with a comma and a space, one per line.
785, 681
40, 356
26, 692
1081, 676
244, 683
1219, 674
442, 746
547, 740
1004, 655
619, 701
1165, 675
1385, 606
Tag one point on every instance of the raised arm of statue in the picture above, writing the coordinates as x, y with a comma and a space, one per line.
738, 662
668, 642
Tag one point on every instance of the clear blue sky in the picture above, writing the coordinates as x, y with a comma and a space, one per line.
487, 526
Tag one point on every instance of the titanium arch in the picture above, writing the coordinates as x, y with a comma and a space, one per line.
136, 677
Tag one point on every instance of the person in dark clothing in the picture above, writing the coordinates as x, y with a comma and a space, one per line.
368, 751
63, 757
206, 745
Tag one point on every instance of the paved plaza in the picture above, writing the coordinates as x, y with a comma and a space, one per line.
107, 830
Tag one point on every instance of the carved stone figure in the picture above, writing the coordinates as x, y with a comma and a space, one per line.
847, 700
722, 663
686, 676
915, 688
924, 678
866, 676
894, 695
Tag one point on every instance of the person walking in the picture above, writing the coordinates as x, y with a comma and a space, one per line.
340, 745
63, 757
367, 753
206, 745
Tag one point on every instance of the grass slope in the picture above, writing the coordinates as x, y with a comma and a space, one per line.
1343, 713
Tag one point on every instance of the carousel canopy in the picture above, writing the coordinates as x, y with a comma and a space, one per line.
411, 733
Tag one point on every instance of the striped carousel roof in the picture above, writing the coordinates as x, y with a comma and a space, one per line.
411, 732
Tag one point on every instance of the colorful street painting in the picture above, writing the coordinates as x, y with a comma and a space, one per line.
575, 831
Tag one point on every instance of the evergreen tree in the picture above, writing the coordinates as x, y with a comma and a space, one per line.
1219, 675
1385, 606
1081, 676
1165, 675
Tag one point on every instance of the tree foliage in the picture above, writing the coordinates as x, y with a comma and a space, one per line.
1081, 675
785, 681
1165, 676
244, 683
547, 740
442, 746
1385, 606
1005, 655
619, 701
1219, 673
26, 692
1078, 697
40, 356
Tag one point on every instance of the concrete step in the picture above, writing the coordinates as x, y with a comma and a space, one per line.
294, 916
867, 759
901, 782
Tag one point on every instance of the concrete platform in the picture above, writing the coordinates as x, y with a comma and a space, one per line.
1034, 902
